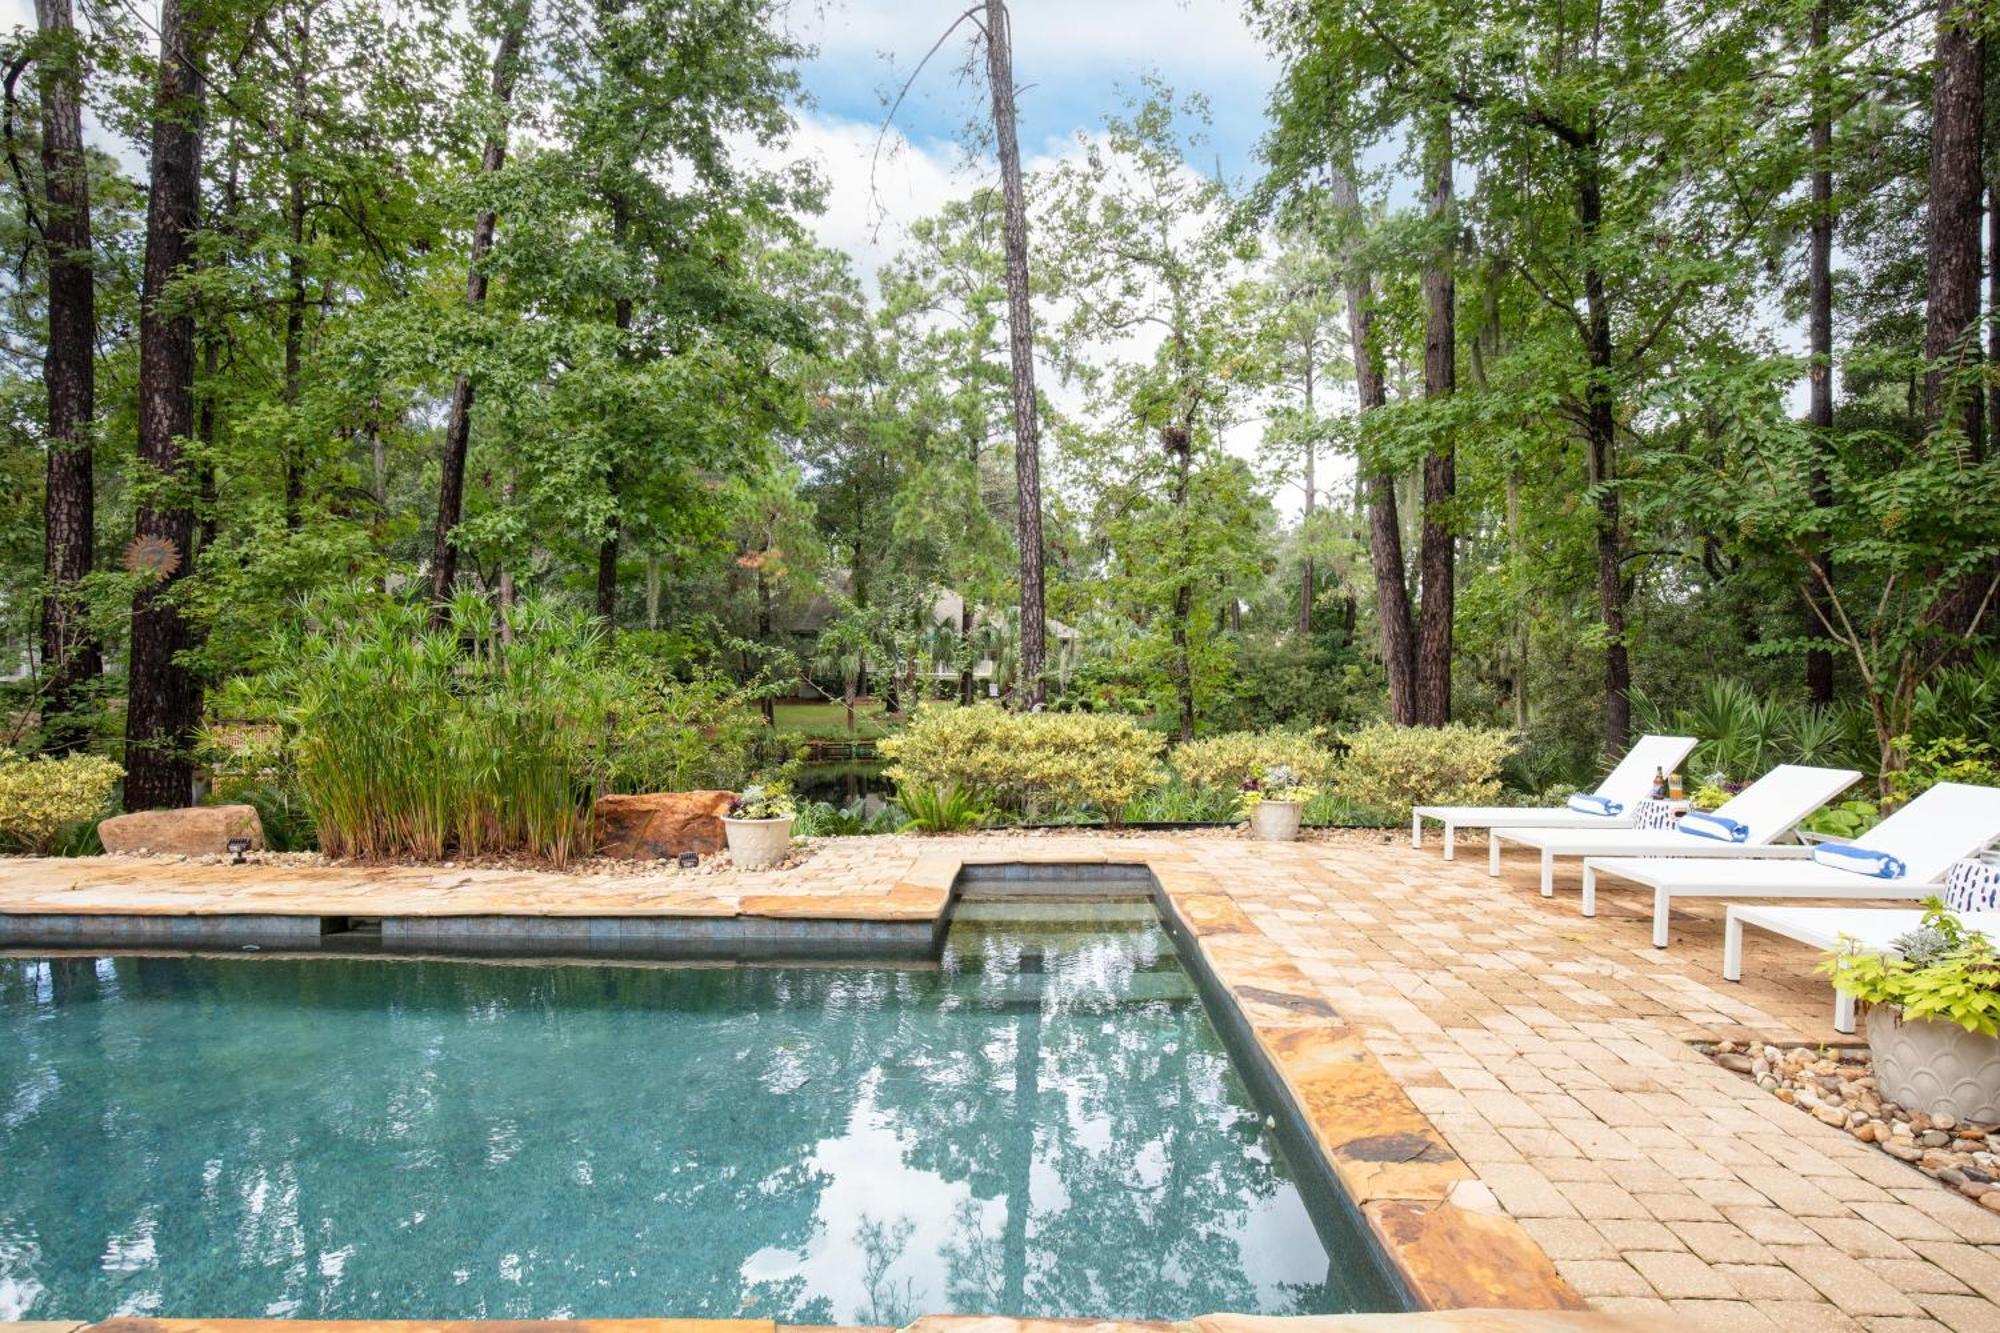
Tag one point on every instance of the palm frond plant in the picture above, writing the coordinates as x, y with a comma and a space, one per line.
940, 810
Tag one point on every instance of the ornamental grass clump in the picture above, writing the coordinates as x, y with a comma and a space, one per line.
42, 798
1028, 764
481, 737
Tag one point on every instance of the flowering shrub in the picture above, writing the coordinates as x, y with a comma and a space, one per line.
1391, 768
1227, 762
39, 798
1029, 763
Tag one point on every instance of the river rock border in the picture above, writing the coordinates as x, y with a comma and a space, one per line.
1836, 1086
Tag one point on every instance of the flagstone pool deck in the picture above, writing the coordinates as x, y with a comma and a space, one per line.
1506, 1089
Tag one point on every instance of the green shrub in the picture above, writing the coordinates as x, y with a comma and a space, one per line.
1391, 768
1029, 763
1948, 759
1225, 763
1176, 802
41, 799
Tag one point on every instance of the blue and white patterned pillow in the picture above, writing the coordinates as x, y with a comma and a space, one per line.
1653, 815
1972, 886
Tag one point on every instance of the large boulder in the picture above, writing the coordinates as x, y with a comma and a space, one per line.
199, 830
660, 824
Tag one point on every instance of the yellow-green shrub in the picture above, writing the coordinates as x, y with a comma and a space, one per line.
1224, 763
39, 798
1391, 768
1027, 762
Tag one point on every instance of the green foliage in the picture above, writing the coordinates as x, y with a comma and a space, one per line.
42, 798
824, 819
1845, 819
940, 810
1947, 759
1226, 762
409, 741
764, 800
1027, 763
1940, 972
1709, 795
1390, 768
1743, 735
1179, 802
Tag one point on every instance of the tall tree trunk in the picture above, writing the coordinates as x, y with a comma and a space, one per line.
621, 319
1385, 532
1306, 518
71, 657
1602, 441
1957, 185
1819, 335
1179, 442
965, 676
164, 705
458, 425
1438, 556
1021, 354
295, 272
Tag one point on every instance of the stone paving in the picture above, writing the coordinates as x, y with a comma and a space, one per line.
1548, 1053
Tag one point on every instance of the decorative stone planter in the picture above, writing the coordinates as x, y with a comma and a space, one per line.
757, 843
1937, 1068
1276, 821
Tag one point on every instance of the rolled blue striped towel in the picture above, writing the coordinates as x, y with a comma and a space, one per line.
1590, 803
1720, 827
1859, 860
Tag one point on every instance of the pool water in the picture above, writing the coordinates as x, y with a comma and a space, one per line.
1045, 1124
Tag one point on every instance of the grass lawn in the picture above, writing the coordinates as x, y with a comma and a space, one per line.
830, 719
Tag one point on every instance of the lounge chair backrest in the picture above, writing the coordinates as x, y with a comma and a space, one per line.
1950, 822
1781, 798
1633, 778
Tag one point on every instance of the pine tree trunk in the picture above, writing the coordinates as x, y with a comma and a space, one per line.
71, 658
1438, 556
1819, 336
1021, 354
1602, 441
1951, 310
1179, 442
1385, 533
458, 424
164, 703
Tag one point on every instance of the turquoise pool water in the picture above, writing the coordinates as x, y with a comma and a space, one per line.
1047, 1124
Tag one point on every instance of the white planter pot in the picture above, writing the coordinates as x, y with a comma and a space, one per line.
1276, 821
1937, 1068
757, 843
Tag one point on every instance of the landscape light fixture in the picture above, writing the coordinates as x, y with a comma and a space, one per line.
689, 860
238, 846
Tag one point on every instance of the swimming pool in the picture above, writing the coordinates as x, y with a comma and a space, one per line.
1045, 1122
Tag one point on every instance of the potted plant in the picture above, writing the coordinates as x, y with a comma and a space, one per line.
759, 825
1275, 802
1933, 1016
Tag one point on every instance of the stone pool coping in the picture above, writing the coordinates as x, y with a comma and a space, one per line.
1442, 1232
1451, 1321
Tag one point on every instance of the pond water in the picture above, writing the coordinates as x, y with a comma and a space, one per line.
1045, 1124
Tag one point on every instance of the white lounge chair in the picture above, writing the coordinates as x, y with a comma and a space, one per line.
1626, 784
1950, 822
1770, 808
1856, 929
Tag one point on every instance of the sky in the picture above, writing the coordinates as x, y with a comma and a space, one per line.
1075, 62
